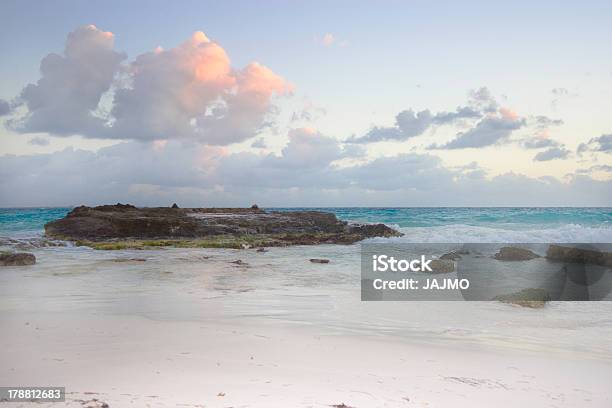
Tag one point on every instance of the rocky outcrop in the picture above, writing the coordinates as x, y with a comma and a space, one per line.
16, 259
125, 226
534, 298
515, 254
578, 255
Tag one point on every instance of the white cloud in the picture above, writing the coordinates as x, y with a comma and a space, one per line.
259, 143
187, 92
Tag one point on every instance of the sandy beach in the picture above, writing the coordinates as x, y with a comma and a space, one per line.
191, 328
127, 361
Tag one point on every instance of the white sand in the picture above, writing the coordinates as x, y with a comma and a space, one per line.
184, 330
129, 361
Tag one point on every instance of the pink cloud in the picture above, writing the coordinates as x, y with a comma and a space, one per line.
190, 91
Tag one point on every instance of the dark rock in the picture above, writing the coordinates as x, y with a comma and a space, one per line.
125, 226
254, 207
16, 259
238, 262
318, 260
578, 255
175, 205
515, 254
262, 250
534, 298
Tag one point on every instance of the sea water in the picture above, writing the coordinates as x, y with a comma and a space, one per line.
440, 224
281, 286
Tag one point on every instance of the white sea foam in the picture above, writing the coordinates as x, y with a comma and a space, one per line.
471, 233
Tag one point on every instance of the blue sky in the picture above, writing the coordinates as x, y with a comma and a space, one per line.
353, 66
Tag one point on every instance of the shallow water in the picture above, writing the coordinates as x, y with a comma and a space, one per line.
282, 287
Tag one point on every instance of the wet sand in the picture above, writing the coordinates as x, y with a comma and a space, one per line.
191, 328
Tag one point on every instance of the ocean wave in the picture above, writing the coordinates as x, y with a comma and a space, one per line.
474, 234
30, 242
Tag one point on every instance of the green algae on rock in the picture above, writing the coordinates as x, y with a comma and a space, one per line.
531, 297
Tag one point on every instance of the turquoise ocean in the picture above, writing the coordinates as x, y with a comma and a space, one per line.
451, 224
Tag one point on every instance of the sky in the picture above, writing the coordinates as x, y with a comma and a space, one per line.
345, 103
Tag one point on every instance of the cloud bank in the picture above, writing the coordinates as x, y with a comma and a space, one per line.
307, 172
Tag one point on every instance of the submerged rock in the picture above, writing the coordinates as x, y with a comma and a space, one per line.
124, 226
534, 298
319, 260
579, 255
442, 266
454, 255
16, 259
515, 254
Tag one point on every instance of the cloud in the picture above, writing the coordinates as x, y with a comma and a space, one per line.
307, 148
5, 107
328, 39
305, 172
481, 105
39, 141
541, 125
604, 168
544, 122
189, 92
539, 143
308, 112
259, 143
602, 143
560, 91
491, 130
552, 154
561, 94
409, 123
462, 112
490, 124
64, 99
482, 99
